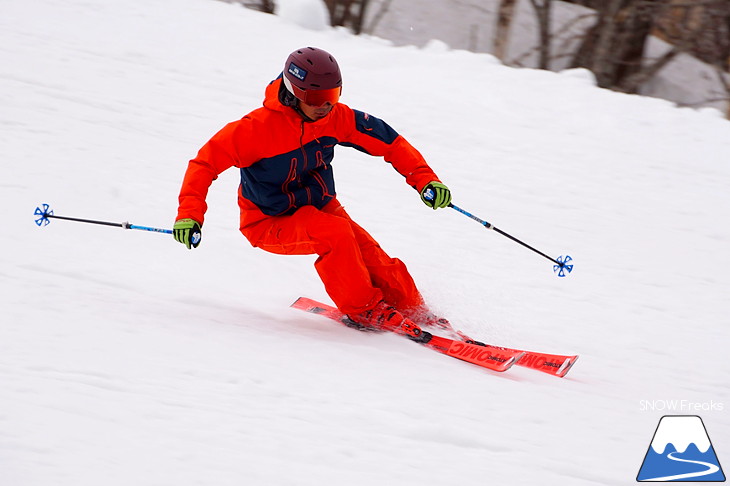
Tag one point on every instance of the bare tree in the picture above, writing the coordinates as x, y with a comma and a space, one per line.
266, 6
347, 13
706, 23
504, 22
613, 49
542, 12
384, 7
695, 36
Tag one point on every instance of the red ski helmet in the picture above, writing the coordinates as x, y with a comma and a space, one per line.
313, 76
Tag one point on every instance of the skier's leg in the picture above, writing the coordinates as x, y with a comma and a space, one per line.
388, 274
340, 264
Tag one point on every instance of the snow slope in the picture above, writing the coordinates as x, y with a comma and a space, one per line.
127, 359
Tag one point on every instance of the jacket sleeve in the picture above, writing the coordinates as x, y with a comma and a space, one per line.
213, 158
375, 137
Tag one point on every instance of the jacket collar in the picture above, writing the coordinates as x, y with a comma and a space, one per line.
278, 98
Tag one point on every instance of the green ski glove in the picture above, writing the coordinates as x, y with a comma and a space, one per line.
436, 195
187, 232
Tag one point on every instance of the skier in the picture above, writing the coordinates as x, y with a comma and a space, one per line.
287, 197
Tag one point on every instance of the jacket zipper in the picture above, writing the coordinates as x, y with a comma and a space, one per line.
304, 167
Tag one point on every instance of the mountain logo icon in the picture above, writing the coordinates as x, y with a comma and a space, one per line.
681, 451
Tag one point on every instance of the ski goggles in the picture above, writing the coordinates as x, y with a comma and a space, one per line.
318, 97
315, 97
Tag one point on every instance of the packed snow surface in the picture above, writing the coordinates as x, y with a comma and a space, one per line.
127, 359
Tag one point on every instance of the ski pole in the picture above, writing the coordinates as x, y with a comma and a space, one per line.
45, 213
562, 264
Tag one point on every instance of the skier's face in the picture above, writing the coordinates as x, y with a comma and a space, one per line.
316, 112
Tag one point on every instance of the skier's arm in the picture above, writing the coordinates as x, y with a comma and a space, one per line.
375, 137
213, 158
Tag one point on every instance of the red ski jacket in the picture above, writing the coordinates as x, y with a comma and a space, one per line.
285, 161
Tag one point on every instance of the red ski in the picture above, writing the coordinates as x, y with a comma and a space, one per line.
490, 357
552, 364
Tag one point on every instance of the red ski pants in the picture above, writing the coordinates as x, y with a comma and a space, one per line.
356, 272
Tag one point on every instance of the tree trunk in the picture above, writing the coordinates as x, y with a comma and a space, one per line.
347, 13
614, 47
542, 12
504, 22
